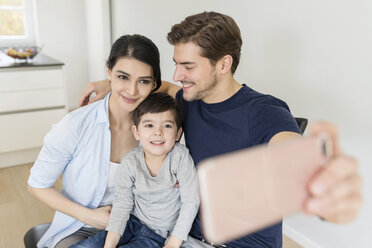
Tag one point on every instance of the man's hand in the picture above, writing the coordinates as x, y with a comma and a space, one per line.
100, 88
336, 189
97, 218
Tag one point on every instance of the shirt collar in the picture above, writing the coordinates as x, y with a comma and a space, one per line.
103, 112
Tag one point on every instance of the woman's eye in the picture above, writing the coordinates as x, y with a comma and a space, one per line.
145, 81
122, 77
148, 125
168, 126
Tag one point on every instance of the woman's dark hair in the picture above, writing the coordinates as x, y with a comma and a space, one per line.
138, 47
157, 103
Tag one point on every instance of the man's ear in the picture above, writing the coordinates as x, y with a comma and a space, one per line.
179, 133
135, 132
225, 63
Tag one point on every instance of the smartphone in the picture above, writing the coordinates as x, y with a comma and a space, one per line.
247, 190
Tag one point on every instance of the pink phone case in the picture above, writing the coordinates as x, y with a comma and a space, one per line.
247, 190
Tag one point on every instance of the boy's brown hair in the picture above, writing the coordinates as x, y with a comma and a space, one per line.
157, 103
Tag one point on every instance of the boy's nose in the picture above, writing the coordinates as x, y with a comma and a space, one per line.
158, 131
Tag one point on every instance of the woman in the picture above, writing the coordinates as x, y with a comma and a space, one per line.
87, 145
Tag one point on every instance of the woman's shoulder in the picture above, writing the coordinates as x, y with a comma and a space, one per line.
87, 115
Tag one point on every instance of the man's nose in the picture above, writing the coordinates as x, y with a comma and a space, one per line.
179, 74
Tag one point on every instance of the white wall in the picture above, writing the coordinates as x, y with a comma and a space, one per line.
62, 32
98, 37
316, 55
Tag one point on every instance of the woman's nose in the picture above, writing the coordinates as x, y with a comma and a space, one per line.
132, 88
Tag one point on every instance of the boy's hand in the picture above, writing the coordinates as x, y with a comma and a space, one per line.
112, 239
173, 242
101, 88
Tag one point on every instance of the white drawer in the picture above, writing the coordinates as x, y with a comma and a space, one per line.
33, 99
17, 79
26, 130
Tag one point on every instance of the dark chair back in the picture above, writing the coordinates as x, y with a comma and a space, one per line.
302, 123
33, 235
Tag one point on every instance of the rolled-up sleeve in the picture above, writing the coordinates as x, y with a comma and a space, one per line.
59, 145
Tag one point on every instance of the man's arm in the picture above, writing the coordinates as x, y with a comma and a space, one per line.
170, 88
102, 88
336, 189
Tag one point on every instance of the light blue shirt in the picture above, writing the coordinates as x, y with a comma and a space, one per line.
79, 148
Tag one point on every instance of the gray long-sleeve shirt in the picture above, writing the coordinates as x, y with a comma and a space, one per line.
154, 200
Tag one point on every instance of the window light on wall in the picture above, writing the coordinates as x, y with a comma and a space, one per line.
17, 24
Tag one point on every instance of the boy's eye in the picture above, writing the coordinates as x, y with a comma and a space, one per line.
168, 126
148, 125
122, 77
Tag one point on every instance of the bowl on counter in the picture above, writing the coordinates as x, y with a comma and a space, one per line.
23, 53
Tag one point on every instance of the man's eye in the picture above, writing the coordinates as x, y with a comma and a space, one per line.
189, 67
168, 126
122, 77
148, 125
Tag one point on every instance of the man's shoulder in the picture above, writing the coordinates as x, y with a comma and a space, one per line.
257, 98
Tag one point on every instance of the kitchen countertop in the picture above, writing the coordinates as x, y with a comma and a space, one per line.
38, 60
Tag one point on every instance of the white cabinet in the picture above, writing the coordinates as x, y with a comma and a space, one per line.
32, 98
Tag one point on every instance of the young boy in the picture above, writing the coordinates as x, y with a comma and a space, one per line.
148, 207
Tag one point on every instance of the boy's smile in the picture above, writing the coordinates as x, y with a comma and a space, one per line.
157, 133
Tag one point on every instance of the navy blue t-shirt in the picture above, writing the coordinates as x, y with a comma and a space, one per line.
246, 119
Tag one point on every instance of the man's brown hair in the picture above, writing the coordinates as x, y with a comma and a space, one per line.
216, 34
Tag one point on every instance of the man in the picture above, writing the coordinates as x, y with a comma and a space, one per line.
220, 115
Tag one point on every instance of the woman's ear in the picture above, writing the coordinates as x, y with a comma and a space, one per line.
135, 132
179, 133
109, 74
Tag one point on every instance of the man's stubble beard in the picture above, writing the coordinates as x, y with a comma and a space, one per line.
202, 94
